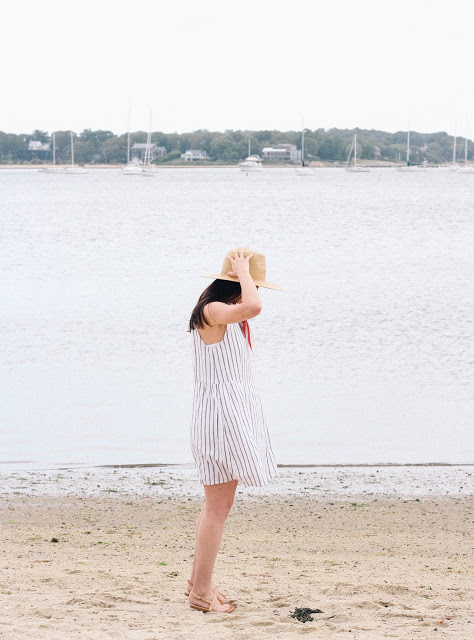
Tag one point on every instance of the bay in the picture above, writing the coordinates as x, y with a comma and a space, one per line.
366, 356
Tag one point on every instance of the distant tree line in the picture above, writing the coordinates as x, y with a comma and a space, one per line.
229, 147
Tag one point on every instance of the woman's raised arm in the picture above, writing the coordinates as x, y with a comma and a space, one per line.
251, 305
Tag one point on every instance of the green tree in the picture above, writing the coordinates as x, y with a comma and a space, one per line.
42, 136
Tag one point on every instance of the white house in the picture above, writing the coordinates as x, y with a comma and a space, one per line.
192, 155
36, 145
284, 151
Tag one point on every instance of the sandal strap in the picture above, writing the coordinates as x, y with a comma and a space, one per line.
211, 602
199, 597
223, 600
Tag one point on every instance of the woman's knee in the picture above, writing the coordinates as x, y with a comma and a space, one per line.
219, 510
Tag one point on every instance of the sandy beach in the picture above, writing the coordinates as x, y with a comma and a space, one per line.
378, 565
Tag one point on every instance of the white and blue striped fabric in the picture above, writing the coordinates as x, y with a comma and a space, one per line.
229, 435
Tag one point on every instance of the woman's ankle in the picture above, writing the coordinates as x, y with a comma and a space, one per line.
205, 591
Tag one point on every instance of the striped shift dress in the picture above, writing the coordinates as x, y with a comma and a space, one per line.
228, 432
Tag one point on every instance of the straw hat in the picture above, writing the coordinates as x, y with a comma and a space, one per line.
257, 269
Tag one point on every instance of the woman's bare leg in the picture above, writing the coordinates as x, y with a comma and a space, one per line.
193, 571
218, 502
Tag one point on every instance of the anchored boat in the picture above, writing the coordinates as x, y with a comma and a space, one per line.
251, 163
355, 168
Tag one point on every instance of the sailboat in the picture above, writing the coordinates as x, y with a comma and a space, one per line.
148, 170
454, 166
54, 168
73, 168
251, 163
466, 168
132, 168
355, 168
304, 169
410, 166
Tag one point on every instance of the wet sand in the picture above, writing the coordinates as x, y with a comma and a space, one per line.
378, 567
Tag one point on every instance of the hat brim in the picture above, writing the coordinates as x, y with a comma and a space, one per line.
258, 283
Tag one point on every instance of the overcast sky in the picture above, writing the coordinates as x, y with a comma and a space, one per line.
237, 64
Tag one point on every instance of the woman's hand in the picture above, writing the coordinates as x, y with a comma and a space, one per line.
250, 304
239, 263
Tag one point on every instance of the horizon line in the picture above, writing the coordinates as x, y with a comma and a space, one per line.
281, 465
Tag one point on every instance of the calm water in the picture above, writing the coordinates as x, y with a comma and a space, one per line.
366, 356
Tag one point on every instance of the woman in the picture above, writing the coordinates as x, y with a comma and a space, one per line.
229, 436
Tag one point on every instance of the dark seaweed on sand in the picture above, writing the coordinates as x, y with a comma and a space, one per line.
303, 614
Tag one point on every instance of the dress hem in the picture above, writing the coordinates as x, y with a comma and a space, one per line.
264, 483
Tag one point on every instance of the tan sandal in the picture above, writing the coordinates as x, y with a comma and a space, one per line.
220, 596
210, 603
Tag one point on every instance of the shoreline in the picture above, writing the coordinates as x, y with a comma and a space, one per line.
132, 465
181, 481
196, 165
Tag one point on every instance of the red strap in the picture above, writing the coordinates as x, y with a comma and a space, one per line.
246, 331
244, 325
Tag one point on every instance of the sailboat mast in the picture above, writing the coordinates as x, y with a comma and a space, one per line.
54, 148
302, 148
129, 125
149, 143
465, 141
355, 149
249, 147
72, 150
350, 153
454, 149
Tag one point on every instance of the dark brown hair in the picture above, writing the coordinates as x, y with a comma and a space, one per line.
219, 291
